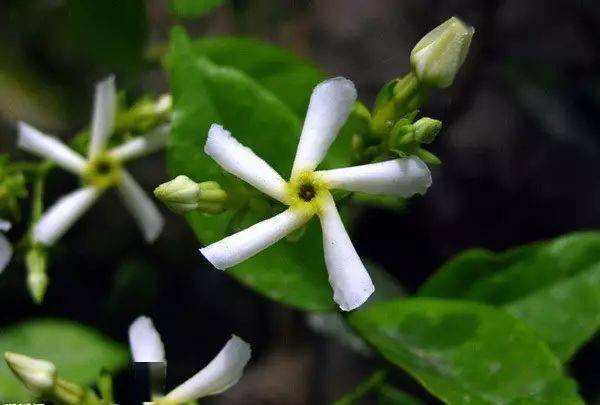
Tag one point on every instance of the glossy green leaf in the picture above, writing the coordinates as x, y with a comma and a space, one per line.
193, 8
78, 352
109, 32
551, 285
566, 314
287, 76
465, 352
206, 93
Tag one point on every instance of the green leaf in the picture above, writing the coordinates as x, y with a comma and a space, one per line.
566, 314
287, 76
551, 285
464, 352
193, 8
78, 352
109, 32
206, 93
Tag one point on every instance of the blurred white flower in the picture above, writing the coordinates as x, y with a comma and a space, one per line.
6, 250
221, 373
308, 191
101, 170
38, 375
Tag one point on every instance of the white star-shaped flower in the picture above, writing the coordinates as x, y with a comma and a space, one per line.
6, 250
102, 169
221, 373
308, 191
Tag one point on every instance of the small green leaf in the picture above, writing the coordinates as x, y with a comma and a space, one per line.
288, 77
206, 93
465, 352
79, 353
551, 285
193, 8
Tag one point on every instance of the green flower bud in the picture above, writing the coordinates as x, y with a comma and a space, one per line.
426, 129
37, 280
39, 376
438, 55
66, 392
182, 194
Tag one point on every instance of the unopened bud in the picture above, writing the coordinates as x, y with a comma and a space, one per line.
37, 279
426, 129
438, 56
39, 376
182, 194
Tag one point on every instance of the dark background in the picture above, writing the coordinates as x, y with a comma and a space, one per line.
519, 149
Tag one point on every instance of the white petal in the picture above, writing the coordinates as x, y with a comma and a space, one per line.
399, 177
63, 214
142, 145
242, 162
347, 275
6, 252
240, 246
221, 373
38, 143
329, 107
144, 341
5, 225
142, 208
103, 119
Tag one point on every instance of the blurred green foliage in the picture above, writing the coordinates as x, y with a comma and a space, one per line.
78, 352
193, 8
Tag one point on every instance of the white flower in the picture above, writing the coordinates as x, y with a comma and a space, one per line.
101, 170
38, 375
307, 192
6, 250
222, 372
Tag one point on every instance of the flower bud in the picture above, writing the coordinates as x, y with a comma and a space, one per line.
182, 194
37, 279
438, 55
426, 129
39, 376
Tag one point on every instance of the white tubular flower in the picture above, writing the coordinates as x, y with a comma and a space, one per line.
6, 250
102, 169
38, 375
308, 191
221, 373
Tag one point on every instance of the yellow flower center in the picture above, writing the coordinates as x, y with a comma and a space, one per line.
103, 171
306, 192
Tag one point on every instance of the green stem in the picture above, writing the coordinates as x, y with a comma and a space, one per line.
370, 384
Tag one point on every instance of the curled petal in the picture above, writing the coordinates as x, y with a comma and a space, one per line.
142, 208
329, 107
142, 145
399, 177
144, 341
221, 373
242, 162
63, 214
38, 143
347, 275
103, 119
240, 246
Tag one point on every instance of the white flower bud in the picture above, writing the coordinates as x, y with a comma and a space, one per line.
38, 375
438, 55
